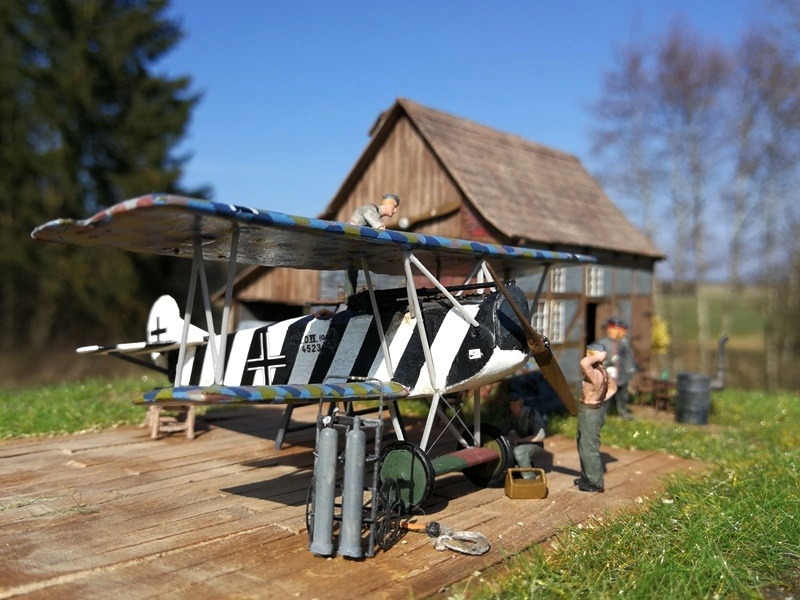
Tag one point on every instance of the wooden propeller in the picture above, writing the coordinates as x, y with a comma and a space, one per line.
540, 350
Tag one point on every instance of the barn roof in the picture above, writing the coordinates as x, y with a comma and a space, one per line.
532, 194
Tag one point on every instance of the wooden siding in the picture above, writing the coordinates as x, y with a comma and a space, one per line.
406, 166
289, 286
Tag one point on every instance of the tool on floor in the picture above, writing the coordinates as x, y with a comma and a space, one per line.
466, 542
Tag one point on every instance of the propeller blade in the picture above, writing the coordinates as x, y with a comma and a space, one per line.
540, 350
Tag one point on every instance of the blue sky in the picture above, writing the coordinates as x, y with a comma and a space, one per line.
291, 87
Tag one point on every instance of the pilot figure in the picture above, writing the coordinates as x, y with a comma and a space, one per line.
369, 215
525, 429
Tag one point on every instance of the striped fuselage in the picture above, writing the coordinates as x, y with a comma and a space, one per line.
347, 344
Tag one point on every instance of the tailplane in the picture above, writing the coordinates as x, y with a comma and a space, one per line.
164, 331
165, 324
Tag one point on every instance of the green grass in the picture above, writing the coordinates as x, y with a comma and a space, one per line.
730, 533
72, 407
746, 320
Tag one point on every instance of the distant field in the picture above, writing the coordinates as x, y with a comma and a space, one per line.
740, 319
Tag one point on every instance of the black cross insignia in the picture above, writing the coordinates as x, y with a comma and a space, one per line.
158, 330
262, 359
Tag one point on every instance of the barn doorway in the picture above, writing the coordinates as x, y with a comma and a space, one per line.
597, 313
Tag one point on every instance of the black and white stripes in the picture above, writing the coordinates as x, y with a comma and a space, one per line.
309, 349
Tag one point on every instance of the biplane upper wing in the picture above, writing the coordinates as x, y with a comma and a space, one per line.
174, 225
276, 394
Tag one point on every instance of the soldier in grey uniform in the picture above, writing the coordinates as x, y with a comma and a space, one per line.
619, 363
370, 215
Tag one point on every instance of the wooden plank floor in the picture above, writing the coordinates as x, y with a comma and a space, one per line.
223, 516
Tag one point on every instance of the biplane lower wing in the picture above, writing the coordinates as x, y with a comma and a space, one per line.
276, 394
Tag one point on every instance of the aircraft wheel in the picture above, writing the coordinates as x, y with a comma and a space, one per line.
389, 510
411, 468
493, 473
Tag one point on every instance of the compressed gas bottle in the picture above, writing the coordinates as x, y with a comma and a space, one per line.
353, 492
324, 491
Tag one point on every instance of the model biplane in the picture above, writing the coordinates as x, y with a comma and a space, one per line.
386, 345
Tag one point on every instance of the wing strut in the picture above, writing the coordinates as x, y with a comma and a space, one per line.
542, 279
415, 309
198, 268
456, 304
376, 312
226, 311
474, 272
398, 429
423, 335
187, 314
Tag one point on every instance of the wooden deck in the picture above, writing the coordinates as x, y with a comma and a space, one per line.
111, 514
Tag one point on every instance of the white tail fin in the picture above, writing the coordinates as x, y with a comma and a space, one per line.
165, 323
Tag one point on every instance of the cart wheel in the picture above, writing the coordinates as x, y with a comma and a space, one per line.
387, 519
310, 512
411, 469
493, 473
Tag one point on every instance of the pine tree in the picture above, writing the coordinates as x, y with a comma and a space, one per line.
85, 122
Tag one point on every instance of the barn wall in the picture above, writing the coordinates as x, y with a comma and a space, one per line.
290, 286
405, 166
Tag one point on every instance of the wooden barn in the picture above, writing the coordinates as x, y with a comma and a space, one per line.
459, 179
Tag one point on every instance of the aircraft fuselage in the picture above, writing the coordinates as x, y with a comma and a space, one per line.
316, 348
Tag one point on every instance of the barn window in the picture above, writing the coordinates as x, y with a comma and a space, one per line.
558, 280
594, 281
556, 334
541, 317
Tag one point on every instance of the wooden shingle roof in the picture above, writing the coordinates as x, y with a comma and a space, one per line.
530, 193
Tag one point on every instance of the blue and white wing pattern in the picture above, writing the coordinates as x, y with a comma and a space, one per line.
275, 394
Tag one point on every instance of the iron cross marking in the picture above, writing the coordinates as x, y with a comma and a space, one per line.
260, 359
158, 330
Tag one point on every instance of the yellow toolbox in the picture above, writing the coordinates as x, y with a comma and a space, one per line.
518, 486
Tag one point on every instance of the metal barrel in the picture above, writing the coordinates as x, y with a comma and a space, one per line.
693, 401
324, 491
353, 492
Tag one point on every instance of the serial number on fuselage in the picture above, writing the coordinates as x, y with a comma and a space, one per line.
312, 342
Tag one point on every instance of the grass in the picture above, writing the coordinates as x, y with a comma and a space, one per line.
746, 319
90, 405
732, 533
